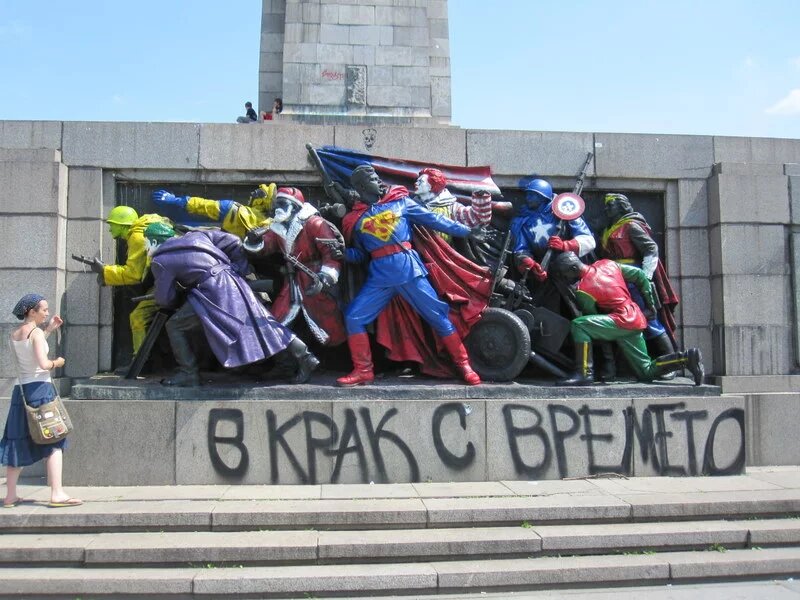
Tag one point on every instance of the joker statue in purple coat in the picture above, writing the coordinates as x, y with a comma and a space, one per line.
202, 275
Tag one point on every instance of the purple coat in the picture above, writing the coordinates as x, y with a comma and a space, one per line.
210, 265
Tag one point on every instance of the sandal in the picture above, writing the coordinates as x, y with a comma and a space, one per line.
17, 502
65, 503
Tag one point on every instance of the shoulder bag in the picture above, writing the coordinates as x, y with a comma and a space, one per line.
50, 422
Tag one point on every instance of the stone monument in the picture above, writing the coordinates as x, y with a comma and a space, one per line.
375, 61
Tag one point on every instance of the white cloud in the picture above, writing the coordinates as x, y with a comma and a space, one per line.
790, 105
118, 99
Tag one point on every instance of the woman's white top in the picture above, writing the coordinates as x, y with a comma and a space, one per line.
29, 369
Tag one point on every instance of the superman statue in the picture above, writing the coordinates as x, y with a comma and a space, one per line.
379, 229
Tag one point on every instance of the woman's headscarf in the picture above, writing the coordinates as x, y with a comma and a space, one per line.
26, 303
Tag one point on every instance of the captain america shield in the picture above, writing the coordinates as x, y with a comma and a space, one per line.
568, 207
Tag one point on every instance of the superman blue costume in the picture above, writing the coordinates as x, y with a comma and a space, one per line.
381, 229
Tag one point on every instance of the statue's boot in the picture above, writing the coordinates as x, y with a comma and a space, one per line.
691, 359
662, 346
306, 361
457, 351
609, 369
284, 367
188, 374
361, 356
584, 366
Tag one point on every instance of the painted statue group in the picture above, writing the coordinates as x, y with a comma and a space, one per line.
387, 277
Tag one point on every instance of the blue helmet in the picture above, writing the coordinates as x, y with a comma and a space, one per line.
536, 189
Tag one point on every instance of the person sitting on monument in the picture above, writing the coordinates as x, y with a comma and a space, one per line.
535, 230
125, 223
277, 108
378, 229
234, 217
250, 114
611, 314
201, 274
300, 234
431, 192
629, 240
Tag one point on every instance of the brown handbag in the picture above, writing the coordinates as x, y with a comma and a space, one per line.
48, 423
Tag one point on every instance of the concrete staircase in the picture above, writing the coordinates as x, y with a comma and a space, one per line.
381, 540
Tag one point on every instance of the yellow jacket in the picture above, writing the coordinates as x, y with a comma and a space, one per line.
132, 272
239, 220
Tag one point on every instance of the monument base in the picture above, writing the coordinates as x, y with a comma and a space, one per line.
397, 430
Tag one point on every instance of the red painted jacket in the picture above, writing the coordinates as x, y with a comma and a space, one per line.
622, 242
299, 239
604, 284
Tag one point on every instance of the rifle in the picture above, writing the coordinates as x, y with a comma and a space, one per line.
83, 259
327, 183
498, 273
147, 345
577, 189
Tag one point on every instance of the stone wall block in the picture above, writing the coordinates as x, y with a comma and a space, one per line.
411, 36
30, 241
696, 301
85, 193
694, 253
30, 134
525, 152
756, 150
333, 34
359, 15
537, 458
795, 266
693, 202
440, 97
146, 448
674, 452
260, 147
753, 299
329, 14
364, 55
401, 56
131, 145
794, 198
81, 345
82, 299
409, 76
653, 156
29, 186
772, 425
412, 422
85, 237
749, 199
420, 144
105, 350
749, 249
193, 454
326, 95
380, 75
270, 62
365, 35
386, 35
756, 349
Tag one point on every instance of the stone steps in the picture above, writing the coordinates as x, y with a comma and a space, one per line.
416, 545
384, 579
397, 513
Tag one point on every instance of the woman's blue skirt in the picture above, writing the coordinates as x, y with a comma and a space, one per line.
17, 449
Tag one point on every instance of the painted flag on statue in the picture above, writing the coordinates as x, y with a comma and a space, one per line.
461, 181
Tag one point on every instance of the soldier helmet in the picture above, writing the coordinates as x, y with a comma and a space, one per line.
122, 215
539, 187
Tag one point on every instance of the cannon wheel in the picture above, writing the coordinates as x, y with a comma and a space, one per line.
499, 345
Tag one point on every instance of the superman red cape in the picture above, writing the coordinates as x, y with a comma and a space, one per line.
465, 286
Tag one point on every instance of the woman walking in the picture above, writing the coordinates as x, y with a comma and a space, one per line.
28, 344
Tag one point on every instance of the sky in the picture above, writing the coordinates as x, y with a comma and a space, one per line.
718, 67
